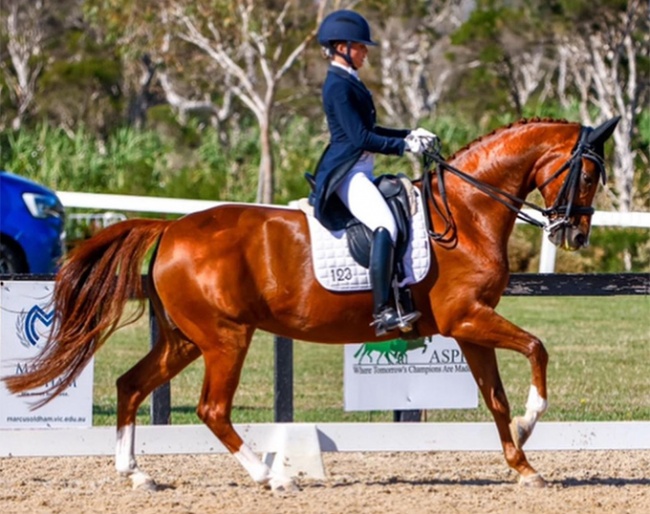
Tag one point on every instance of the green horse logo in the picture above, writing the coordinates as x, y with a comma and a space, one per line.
393, 351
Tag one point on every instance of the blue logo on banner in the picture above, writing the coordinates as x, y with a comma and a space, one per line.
35, 315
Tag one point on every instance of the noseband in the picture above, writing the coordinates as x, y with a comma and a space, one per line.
558, 214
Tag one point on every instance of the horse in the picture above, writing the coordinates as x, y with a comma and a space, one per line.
218, 275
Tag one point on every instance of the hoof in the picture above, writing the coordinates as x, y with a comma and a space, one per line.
519, 432
535, 480
143, 482
282, 485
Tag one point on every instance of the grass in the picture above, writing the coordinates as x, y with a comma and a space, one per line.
598, 369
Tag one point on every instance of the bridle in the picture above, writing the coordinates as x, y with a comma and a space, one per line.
559, 214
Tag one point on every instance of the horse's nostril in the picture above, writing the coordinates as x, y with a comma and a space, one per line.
580, 239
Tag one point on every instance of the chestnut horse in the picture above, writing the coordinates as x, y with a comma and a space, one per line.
218, 275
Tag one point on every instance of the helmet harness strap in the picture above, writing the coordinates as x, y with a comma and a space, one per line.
345, 55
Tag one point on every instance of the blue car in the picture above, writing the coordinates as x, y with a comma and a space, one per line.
32, 235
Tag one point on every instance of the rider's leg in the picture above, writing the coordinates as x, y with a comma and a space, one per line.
382, 255
366, 203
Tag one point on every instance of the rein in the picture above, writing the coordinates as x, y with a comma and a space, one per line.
563, 205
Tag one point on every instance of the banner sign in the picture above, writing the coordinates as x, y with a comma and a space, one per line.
427, 373
26, 317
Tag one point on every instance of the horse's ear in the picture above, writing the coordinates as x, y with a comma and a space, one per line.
603, 132
597, 137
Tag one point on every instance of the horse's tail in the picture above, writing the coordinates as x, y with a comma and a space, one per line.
91, 290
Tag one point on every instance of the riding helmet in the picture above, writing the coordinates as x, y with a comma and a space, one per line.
344, 25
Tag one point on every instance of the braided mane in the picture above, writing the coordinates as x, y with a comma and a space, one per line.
523, 121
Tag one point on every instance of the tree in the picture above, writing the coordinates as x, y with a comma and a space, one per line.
607, 63
21, 61
253, 45
506, 47
255, 51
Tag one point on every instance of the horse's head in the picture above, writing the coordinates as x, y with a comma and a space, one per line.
569, 191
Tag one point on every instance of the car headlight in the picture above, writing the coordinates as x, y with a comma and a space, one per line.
43, 206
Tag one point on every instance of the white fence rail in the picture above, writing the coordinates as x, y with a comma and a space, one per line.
326, 437
184, 206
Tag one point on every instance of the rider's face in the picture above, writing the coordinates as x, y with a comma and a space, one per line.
358, 53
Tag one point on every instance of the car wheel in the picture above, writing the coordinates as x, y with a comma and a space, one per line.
11, 260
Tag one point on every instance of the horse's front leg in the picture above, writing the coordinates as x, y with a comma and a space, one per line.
487, 329
483, 364
521, 427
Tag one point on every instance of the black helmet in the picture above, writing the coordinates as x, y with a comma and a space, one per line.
344, 25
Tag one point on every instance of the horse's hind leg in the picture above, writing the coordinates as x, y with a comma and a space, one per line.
483, 364
170, 355
224, 358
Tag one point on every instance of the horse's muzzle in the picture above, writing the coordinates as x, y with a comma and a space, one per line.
569, 237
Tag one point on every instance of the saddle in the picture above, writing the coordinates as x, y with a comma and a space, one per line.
398, 192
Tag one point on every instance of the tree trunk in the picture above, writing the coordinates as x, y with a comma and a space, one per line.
265, 181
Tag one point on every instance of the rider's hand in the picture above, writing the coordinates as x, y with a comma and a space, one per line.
414, 144
420, 140
423, 133
428, 138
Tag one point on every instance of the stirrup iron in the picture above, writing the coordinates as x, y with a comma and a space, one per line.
386, 321
390, 319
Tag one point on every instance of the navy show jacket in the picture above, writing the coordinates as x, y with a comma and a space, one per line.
351, 118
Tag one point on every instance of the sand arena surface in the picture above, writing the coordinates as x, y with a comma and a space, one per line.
463, 482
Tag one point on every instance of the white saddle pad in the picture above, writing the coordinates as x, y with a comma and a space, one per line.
336, 270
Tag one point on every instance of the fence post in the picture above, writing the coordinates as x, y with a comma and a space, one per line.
407, 415
547, 255
161, 402
283, 375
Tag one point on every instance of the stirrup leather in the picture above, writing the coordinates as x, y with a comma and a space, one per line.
407, 315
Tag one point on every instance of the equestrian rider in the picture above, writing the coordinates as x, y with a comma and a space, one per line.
344, 175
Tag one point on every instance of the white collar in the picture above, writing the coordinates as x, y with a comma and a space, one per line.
351, 71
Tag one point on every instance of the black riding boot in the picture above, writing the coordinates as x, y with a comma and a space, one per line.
382, 254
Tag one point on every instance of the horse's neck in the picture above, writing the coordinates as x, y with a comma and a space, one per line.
507, 161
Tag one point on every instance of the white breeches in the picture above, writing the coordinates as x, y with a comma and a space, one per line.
363, 199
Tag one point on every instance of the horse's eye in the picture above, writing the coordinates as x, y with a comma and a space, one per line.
587, 179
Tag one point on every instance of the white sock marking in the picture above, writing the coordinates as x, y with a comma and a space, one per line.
124, 450
535, 405
258, 471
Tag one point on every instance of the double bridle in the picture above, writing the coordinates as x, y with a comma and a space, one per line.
558, 214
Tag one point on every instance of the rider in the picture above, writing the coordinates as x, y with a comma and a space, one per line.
344, 176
